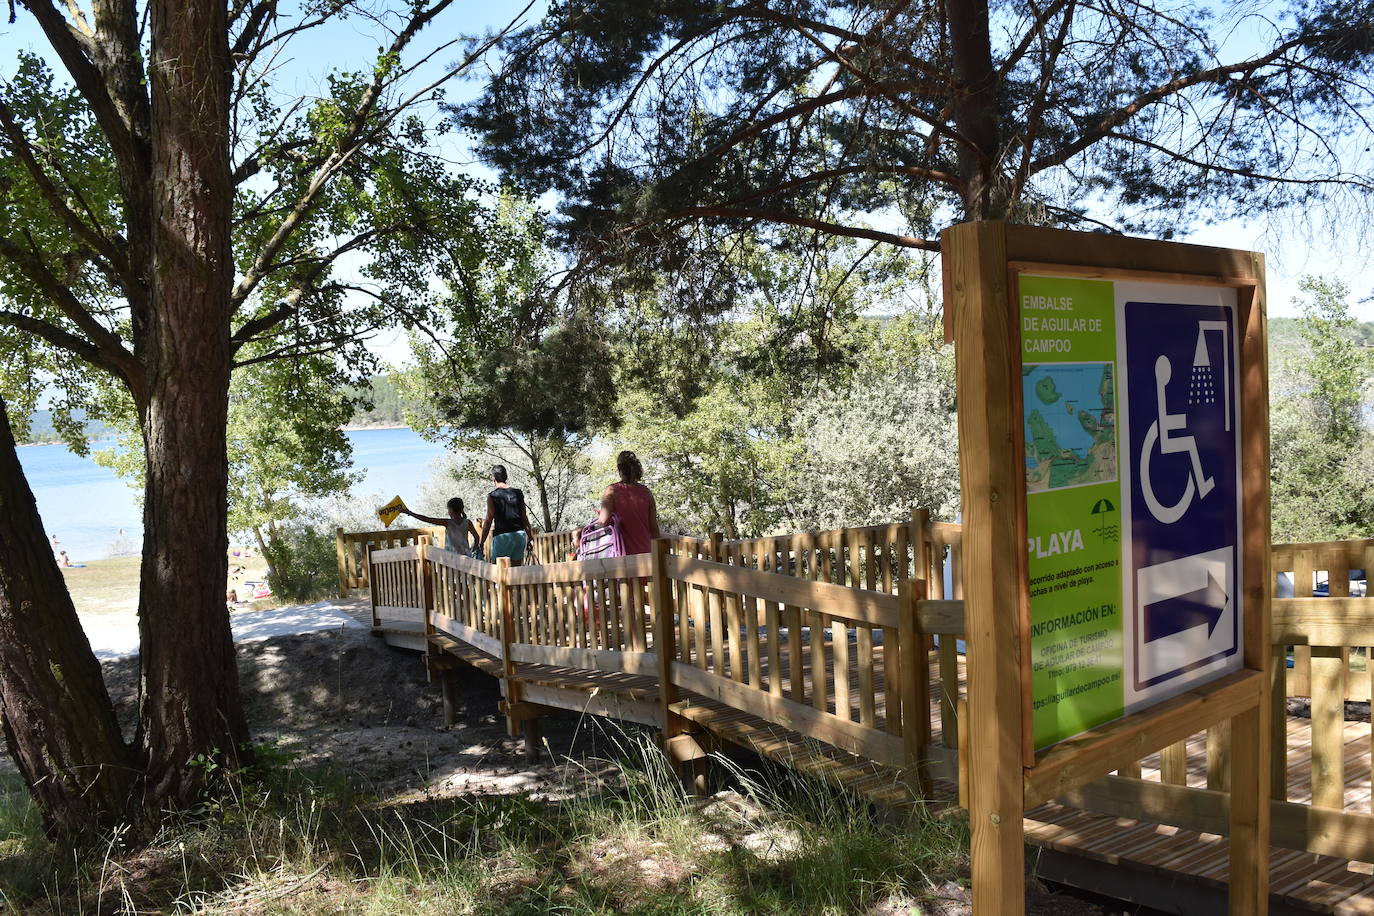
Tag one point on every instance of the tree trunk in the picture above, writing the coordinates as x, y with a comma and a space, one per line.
54, 709
975, 108
541, 484
190, 704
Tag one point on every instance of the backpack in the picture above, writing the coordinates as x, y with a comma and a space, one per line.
601, 541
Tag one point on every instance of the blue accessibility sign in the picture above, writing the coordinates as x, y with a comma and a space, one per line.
1183, 586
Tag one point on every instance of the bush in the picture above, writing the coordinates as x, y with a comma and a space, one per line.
302, 563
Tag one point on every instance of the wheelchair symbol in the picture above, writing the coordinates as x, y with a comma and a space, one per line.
1168, 432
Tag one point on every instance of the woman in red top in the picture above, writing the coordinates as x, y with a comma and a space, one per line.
633, 504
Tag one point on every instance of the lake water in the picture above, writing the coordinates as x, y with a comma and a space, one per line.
87, 506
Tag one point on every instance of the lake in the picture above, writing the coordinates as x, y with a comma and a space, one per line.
88, 507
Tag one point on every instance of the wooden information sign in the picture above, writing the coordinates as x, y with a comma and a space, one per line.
1114, 455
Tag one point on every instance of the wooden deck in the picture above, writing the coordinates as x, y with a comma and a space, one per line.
1301, 882
771, 652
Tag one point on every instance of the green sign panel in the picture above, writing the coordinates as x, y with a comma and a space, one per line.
1073, 503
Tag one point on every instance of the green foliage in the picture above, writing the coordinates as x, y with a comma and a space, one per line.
304, 565
799, 409
648, 117
500, 379
722, 466
285, 445
886, 440
1321, 441
65, 138
379, 402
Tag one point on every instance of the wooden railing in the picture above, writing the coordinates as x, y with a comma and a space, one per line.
351, 547
397, 576
553, 546
592, 615
780, 649
843, 664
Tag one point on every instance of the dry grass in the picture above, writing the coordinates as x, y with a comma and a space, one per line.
111, 586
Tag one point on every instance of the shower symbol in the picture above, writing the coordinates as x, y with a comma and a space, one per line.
1202, 387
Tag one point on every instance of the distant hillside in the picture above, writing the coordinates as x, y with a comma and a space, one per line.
387, 406
41, 431
1285, 331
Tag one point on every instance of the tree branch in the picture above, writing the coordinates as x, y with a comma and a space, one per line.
112, 354
9, 125
857, 232
1126, 112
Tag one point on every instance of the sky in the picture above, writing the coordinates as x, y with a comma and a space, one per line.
1290, 252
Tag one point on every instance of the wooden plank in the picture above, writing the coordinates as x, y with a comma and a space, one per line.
395, 554
697, 599
915, 684
1323, 622
868, 701
1320, 831
943, 618
1219, 756
734, 626
610, 660
872, 608
773, 617
815, 626
640, 625
661, 599
634, 566
1173, 764
473, 637
601, 704
1328, 727
751, 640
372, 592
1278, 723
1109, 747
839, 644
866, 742
792, 613
1035, 244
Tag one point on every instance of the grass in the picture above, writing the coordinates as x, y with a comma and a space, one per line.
284, 841
104, 586
111, 586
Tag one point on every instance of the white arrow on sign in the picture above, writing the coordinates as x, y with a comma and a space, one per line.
1184, 612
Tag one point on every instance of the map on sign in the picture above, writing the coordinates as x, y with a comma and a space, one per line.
1070, 424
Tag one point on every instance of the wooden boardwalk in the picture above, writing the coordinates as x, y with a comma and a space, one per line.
817, 677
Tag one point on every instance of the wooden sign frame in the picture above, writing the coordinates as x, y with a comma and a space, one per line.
981, 262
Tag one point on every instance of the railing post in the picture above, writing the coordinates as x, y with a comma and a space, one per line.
915, 683
339, 548
426, 573
503, 598
715, 548
371, 592
661, 603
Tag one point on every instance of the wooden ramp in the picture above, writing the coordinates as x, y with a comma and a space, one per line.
840, 683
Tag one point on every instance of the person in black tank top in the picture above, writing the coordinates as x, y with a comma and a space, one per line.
507, 520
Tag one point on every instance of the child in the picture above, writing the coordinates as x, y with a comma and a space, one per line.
459, 532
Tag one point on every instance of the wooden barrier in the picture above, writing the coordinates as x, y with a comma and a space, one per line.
831, 662
553, 546
351, 549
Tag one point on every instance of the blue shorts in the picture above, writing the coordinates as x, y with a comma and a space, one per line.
511, 544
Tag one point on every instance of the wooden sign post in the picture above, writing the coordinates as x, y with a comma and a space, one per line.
1114, 452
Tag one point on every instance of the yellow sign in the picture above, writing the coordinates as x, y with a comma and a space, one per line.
389, 512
